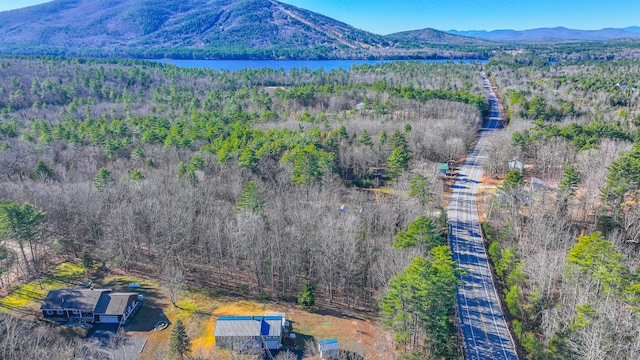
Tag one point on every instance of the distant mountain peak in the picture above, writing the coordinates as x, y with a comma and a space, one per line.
433, 36
238, 25
205, 29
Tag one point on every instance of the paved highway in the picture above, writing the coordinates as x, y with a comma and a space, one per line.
485, 331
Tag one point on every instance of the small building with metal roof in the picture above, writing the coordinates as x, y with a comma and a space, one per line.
329, 348
245, 332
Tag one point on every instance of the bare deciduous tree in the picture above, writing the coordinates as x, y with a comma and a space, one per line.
172, 278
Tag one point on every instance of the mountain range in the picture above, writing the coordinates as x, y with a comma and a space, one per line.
201, 28
121, 25
237, 29
551, 34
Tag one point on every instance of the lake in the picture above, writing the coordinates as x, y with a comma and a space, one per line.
287, 65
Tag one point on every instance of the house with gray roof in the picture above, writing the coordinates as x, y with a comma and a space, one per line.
246, 332
90, 305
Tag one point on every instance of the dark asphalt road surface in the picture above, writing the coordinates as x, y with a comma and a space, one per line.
485, 331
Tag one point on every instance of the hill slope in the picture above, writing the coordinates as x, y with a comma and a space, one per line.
432, 36
147, 26
557, 33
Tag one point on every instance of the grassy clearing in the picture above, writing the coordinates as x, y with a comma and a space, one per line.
195, 309
64, 275
242, 308
198, 308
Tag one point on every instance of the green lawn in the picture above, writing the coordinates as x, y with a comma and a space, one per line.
64, 275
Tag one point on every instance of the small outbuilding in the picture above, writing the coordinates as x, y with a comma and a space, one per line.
329, 348
246, 332
516, 164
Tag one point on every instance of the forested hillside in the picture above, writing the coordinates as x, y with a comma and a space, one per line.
424, 36
564, 238
225, 28
259, 182
199, 29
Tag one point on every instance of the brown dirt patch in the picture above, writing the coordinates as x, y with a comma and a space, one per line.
487, 189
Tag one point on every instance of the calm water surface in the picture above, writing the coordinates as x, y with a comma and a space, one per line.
287, 65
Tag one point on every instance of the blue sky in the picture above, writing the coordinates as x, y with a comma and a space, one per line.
15, 4
387, 16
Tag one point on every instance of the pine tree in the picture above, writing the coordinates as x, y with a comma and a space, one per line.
596, 257
568, 187
102, 178
182, 169
397, 162
398, 139
197, 163
87, 261
248, 158
341, 132
537, 108
512, 180
137, 153
250, 199
24, 224
417, 303
306, 299
421, 231
622, 179
136, 175
365, 139
420, 189
309, 164
42, 171
382, 140
179, 344
570, 180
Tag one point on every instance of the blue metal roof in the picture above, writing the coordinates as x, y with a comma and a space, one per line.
330, 341
250, 318
331, 344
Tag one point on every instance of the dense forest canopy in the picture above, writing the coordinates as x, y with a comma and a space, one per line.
261, 182
272, 184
